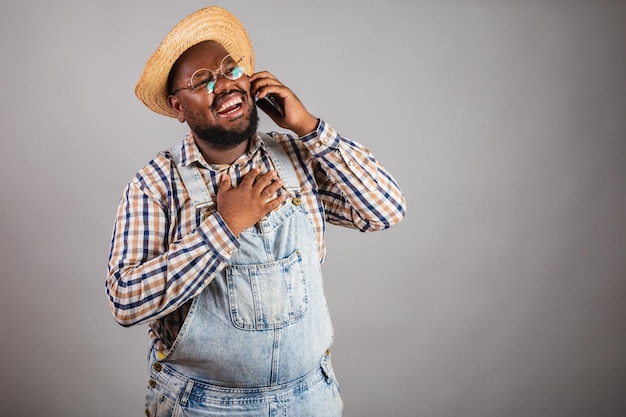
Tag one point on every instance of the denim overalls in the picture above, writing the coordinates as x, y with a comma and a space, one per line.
255, 341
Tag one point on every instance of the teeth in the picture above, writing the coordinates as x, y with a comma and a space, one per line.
231, 102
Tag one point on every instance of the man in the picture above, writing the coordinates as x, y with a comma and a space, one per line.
218, 242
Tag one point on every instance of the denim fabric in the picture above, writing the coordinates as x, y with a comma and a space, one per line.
315, 394
255, 341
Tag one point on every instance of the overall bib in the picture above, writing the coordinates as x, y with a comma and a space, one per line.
255, 341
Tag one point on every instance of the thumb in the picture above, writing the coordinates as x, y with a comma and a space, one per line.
225, 184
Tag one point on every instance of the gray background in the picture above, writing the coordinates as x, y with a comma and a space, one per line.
502, 292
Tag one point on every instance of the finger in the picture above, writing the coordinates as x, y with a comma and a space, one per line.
225, 184
276, 89
264, 180
262, 86
250, 178
274, 203
273, 187
262, 75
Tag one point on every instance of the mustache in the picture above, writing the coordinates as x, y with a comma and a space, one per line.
224, 139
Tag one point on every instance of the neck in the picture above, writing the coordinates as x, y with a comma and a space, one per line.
221, 156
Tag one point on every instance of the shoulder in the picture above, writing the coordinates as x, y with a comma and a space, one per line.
289, 144
156, 177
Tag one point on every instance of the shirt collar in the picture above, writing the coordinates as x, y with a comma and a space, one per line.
191, 153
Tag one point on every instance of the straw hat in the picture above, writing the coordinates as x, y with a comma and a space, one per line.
209, 24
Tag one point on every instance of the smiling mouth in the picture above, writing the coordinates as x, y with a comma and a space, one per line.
229, 105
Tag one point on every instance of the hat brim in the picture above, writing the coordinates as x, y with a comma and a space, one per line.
209, 24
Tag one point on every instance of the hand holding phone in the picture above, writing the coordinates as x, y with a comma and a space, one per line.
276, 99
271, 104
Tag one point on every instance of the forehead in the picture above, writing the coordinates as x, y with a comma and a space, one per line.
207, 54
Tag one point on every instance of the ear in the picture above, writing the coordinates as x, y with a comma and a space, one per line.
178, 107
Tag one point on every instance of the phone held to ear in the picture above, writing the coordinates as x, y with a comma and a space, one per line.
271, 104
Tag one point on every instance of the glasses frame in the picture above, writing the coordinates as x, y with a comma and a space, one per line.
216, 73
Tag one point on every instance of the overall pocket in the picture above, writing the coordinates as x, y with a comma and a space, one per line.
267, 296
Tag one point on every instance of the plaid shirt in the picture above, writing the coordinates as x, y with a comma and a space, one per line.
164, 252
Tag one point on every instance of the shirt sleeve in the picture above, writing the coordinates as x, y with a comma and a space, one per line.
356, 190
149, 276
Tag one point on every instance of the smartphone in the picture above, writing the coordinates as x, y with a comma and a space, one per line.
271, 104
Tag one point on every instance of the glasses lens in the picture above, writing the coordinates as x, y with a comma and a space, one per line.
231, 67
202, 78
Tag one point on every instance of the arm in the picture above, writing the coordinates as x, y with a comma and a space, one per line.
150, 274
355, 189
159, 259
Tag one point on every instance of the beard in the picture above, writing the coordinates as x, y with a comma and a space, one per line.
224, 139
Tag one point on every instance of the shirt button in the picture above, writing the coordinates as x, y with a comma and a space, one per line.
157, 367
350, 163
325, 140
147, 412
207, 281
152, 383
317, 145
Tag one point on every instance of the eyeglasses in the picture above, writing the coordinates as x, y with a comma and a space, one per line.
203, 80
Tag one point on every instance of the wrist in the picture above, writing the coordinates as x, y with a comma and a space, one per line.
307, 127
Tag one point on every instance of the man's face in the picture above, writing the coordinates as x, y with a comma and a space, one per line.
224, 118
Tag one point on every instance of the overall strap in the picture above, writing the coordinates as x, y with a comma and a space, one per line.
282, 163
198, 190
192, 178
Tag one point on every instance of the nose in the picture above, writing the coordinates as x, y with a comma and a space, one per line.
222, 84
